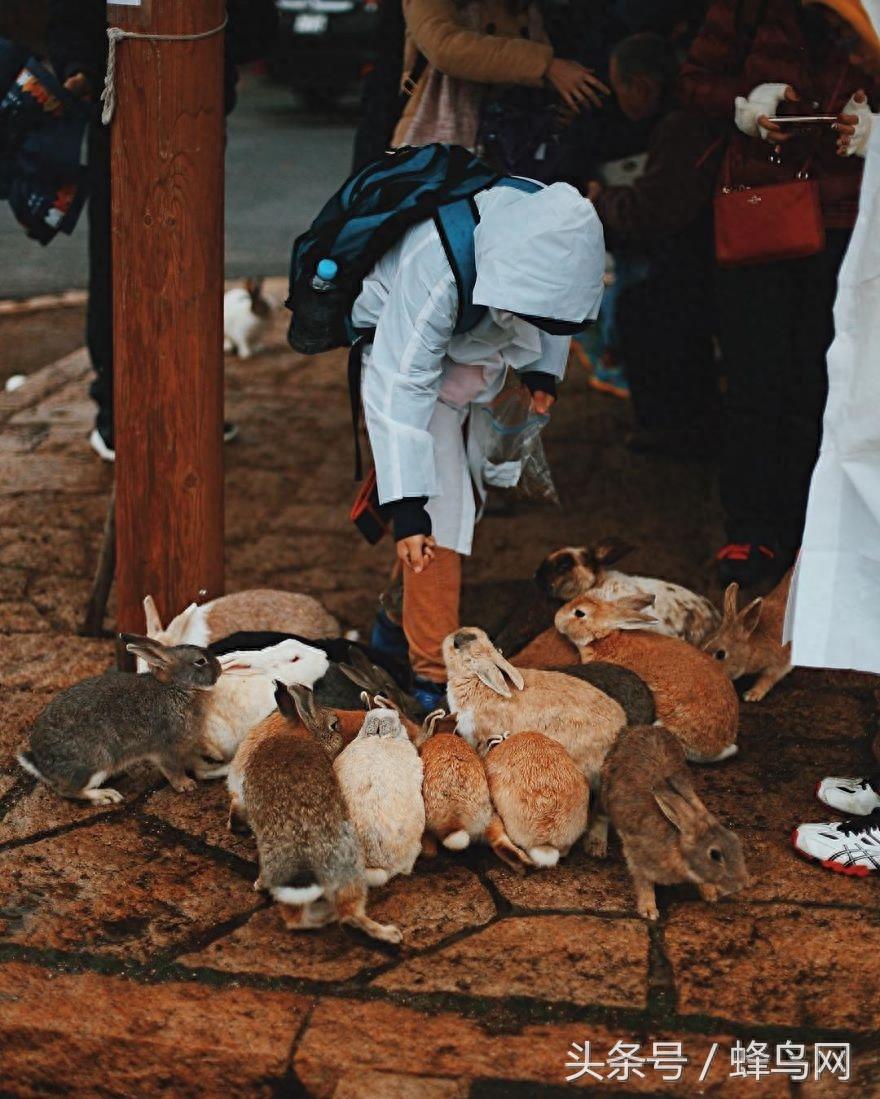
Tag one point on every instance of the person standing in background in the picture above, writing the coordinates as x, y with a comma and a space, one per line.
456, 48
76, 40
752, 60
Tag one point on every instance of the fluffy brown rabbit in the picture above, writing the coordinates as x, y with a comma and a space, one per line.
282, 785
694, 699
749, 641
548, 650
668, 835
541, 797
492, 698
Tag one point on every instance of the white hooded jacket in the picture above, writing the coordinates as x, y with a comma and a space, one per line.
539, 254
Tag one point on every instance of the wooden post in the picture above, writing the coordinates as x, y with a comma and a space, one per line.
167, 143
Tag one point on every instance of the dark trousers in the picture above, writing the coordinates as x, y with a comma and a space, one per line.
665, 326
776, 325
99, 314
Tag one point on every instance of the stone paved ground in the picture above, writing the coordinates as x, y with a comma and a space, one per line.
136, 960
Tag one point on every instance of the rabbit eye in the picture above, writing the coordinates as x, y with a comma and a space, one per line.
200, 662
580, 614
334, 725
721, 654
715, 855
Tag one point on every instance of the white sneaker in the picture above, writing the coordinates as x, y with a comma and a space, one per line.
854, 796
848, 847
96, 442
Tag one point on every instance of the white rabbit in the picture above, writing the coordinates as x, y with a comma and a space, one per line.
380, 773
246, 316
247, 694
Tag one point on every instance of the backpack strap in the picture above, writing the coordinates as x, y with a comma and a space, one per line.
455, 224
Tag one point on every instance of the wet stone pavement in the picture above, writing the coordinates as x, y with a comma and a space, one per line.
136, 959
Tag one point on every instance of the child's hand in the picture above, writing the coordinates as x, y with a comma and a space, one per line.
417, 551
542, 402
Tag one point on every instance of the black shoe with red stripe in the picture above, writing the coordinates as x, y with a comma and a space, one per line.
747, 563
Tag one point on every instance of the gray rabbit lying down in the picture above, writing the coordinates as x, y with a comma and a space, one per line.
107, 723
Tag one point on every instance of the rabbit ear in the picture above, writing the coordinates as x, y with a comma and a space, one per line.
240, 664
610, 550
681, 806
750, 616
151, 614
513, 674
284, 701
365, 700
306, 708
155, 653
491, 675
730, 600
635, 602
629, 613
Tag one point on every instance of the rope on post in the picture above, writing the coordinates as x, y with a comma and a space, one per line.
116, 35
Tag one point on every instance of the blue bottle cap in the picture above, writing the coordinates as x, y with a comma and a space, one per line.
327, 270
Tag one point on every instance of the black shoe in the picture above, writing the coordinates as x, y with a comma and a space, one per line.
746, 563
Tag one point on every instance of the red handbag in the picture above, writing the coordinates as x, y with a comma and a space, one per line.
764, 224
776, 221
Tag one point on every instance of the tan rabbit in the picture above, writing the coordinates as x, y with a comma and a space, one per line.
541, 796
574, 713
380, 773
282, 785
577, 570
668, 835
694, 699
749, 642
254, 610
458, 808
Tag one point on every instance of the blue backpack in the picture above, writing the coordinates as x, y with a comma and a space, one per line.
367, 216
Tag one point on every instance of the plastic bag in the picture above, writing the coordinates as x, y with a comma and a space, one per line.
508, 434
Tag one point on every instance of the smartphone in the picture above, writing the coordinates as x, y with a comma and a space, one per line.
803, 120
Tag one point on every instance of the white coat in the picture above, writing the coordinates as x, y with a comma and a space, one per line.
539, 254
833, 615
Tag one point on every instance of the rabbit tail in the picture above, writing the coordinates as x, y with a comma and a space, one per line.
303, 888
28, 763
457, 841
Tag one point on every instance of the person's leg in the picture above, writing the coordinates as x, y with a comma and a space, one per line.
99, 315
753, 308
430, 612
806, 384
431, 598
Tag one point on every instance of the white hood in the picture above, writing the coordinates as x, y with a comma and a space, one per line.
541, 255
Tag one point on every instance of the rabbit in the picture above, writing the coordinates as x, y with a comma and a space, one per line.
576, 570
380, 774
619, 683
541, 797
749, 642
246, 695
694, 698
584, 720
667, 834
338, 649
258, 609
370, 677
105, 724
283, 787
246, 316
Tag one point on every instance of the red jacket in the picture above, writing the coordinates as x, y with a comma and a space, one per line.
780, 52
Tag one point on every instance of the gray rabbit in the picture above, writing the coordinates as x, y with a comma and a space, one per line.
107, 723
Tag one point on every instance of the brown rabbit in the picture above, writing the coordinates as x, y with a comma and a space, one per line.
282, 785
458, 808
668, 835
542, 798
749, 642
694, 699
584, 720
